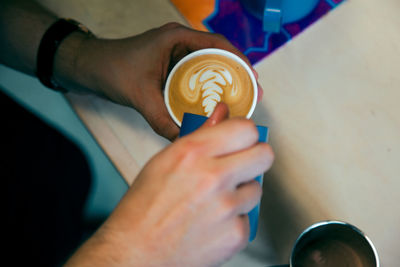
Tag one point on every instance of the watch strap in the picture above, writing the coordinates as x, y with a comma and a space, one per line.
49, 44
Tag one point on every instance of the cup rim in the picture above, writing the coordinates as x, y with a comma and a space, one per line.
211, 51
327, 222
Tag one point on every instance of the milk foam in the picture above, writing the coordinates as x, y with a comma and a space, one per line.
211, 80
205, 80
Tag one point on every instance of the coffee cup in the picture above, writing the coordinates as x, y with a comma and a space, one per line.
205, 77
333, 243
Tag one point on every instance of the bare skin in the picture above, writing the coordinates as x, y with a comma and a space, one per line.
188, 205
133, 71
129, 71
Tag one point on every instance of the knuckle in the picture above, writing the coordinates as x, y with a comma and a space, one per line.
186, 155
189, 149
228, 205
252, 129
190, 155
209, 183
171, 25
247, 127
256, 190
219, 172
179, 31
212, 180
266, 154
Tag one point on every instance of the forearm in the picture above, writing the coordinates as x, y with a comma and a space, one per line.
22, 26
109, 248
94, 252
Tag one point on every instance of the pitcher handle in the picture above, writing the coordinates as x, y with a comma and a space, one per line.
273, 14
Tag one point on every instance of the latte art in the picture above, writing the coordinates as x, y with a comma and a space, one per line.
210, 82
203, 81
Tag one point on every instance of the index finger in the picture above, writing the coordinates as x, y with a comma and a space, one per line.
220, 113
226, 137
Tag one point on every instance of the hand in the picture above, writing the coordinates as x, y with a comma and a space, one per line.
189, 204
133, 71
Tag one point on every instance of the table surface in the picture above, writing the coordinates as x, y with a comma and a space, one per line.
331, 101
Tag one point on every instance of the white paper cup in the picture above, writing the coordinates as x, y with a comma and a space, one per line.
211, 51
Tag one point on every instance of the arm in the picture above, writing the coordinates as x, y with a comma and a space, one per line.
166, 219
22, 26
189, 204
129, 71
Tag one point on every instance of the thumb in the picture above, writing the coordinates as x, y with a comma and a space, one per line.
220, 113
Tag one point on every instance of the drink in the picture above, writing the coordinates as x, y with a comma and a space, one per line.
204, 78
333, 244
333, 252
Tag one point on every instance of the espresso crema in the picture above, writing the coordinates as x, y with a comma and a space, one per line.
201, 82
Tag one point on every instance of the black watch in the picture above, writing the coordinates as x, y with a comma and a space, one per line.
49, 44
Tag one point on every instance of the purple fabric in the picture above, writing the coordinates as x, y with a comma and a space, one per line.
245, 31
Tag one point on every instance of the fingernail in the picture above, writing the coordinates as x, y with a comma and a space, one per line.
218, 114
212, 119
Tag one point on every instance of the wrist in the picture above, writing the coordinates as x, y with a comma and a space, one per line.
69, 69
97, 250
107, 247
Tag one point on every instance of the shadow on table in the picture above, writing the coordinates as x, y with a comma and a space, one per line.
281, 220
